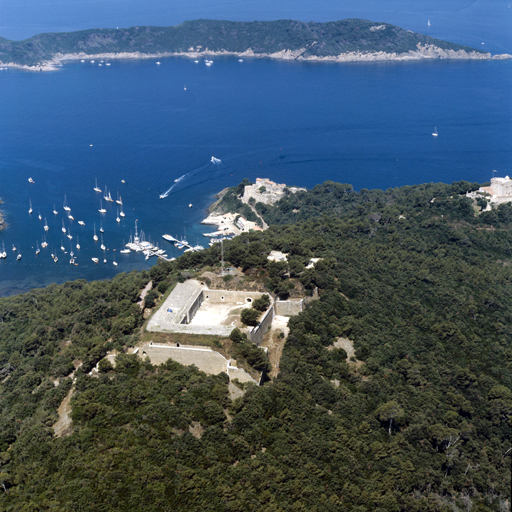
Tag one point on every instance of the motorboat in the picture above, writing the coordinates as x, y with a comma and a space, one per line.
96, 260
70, 217
81, 222
18, 258
30, 180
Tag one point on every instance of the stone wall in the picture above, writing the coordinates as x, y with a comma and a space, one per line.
232, 297
193, 308
294, 307
256, 333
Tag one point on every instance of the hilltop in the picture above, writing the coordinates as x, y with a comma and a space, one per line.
344, 40
393, 391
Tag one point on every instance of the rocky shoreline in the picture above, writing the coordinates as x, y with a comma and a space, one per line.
423, 52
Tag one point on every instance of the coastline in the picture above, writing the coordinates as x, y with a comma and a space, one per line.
423, 52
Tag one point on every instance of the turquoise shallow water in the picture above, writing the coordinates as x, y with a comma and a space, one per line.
298, 123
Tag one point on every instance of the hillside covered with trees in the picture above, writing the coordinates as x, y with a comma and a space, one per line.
418, 419
262, 37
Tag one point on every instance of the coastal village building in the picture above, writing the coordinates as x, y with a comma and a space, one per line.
499, 192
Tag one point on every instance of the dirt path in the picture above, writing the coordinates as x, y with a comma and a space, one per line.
265, 225
275, 344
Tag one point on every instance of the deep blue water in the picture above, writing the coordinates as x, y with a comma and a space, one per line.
298, 123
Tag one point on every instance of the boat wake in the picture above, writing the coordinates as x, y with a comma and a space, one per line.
213, 160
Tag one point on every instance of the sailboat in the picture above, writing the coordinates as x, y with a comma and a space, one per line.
428, 23
77, 244
102, 246
46, 228
117, 218
435, 132
107, 196
44, 244
62, 247
95, 237
102, 210
30, 209
55, 212
3, 254
40, 217
65, 206
101, 227
69, 234
119, 200
96, 189
18, 258
63, 227
121, 213
37, 250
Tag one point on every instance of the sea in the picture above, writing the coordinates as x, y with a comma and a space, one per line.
145, 130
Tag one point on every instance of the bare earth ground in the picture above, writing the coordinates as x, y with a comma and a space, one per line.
274, 344
63, 425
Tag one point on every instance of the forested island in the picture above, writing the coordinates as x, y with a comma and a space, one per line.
418, 418
345, 40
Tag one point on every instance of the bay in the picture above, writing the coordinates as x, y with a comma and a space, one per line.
368, 124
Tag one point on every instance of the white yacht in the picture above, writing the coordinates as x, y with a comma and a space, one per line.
18, 258
46, 228
70, 217
40, 216
13, 248
102, 210
81, 222
62, 247
102, 246
95, 260
55, 212
69, 234
37, 250
44, 243
65, 206
101, 227
117, 218
96, 189
119, 200
121, 213
30, 180
30, 209
3, 254
95, 237
435, 133
77, 244
107, 196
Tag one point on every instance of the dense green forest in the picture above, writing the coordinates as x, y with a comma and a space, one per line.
419, 278
262, 37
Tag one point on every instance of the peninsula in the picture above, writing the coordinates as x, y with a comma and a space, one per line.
337, 41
